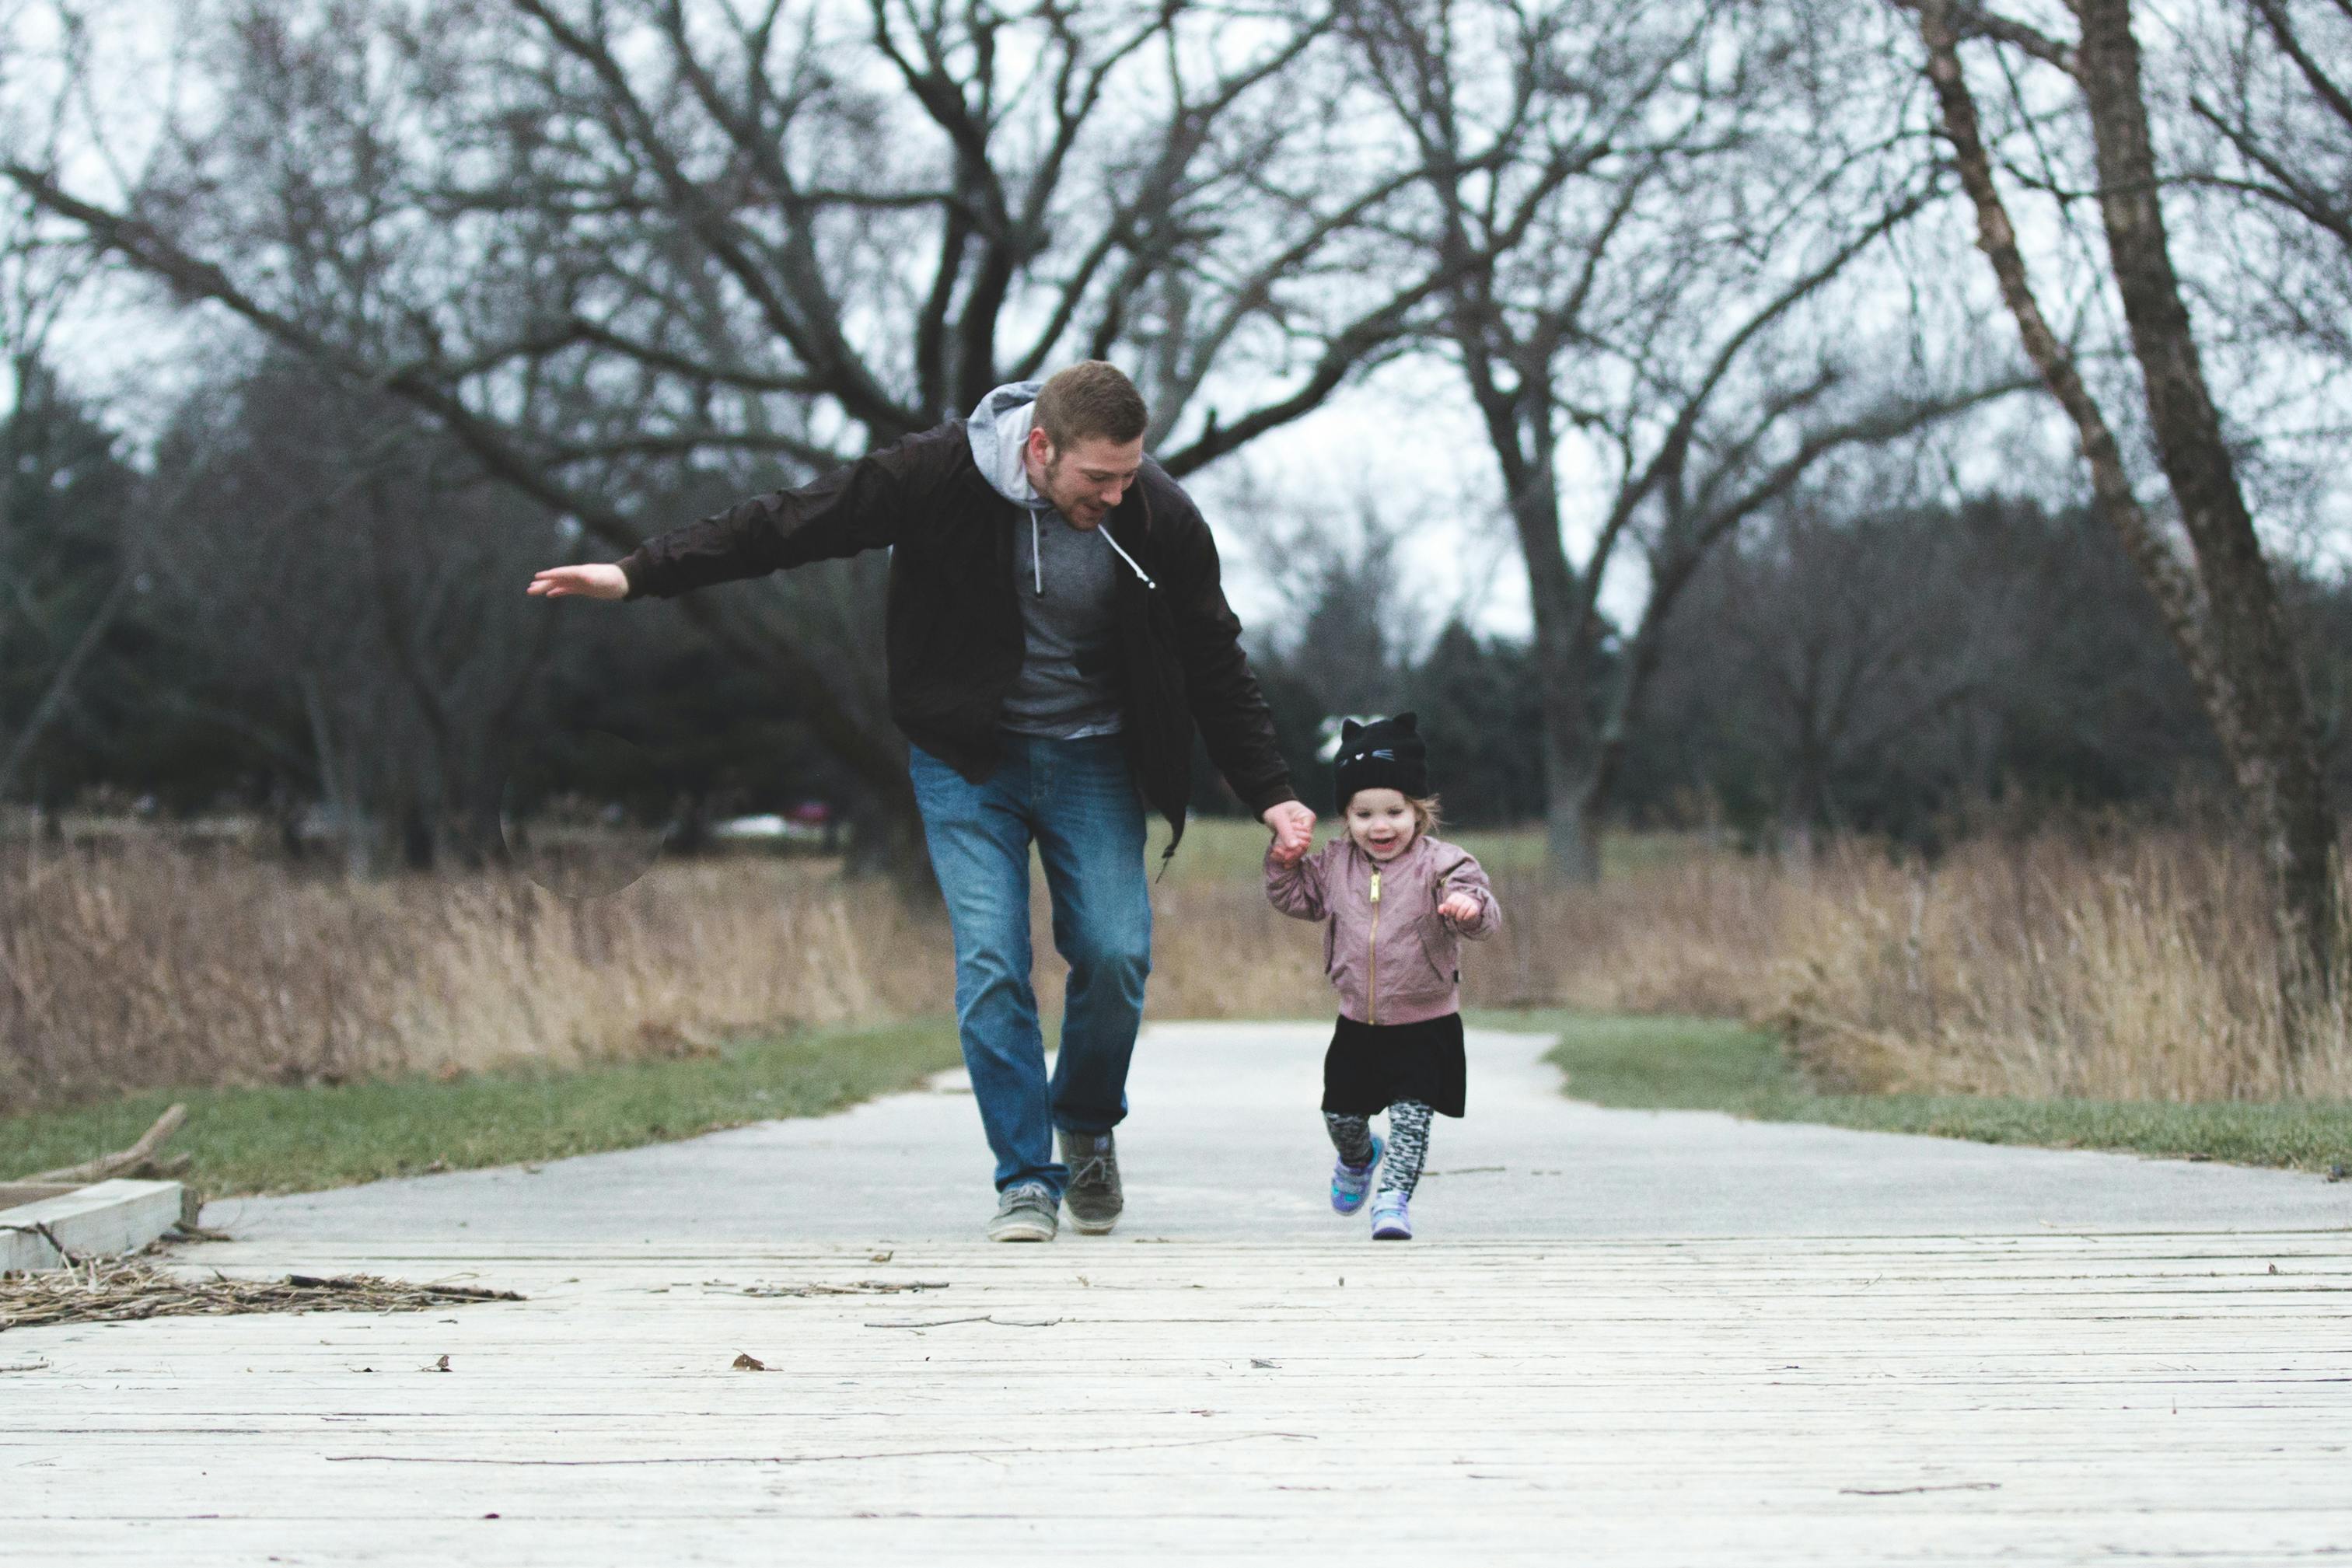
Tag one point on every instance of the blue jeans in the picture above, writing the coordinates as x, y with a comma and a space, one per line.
1077, 800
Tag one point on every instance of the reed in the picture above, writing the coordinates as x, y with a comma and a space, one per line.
136, 965
2082, 961
2112, 965
2132, 968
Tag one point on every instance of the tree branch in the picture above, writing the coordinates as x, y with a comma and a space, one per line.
874, 758
2168, 577
1972, 21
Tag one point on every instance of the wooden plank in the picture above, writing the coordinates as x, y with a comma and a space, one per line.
105, 1218
2031, 1399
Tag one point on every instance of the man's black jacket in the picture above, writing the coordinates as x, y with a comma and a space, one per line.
954, 631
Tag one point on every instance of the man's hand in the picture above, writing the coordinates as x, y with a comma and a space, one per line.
588, 581
1459, 907
1293, 830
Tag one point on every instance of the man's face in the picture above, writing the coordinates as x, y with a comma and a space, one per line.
1087, 480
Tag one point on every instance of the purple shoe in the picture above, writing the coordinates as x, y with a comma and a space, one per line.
1351, 1182
1391, 1222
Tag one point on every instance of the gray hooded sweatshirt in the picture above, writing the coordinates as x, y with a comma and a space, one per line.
1066, 579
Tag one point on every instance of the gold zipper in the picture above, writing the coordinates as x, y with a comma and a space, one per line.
1373, 1004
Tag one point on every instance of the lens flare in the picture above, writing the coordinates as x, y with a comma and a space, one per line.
584, 813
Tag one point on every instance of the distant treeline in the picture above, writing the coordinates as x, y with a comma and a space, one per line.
1901, 672
310, 608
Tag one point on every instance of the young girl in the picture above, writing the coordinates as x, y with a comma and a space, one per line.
1393, 900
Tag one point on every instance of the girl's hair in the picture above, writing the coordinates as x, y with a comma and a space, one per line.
1428, 815
1428, 812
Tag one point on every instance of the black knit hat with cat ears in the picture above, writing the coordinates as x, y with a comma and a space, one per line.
1386, 754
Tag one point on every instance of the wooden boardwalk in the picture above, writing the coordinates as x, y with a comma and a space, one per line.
2044, 1398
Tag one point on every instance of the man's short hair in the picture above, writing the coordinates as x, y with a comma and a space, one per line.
1092, 399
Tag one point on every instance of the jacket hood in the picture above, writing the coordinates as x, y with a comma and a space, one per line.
997, 430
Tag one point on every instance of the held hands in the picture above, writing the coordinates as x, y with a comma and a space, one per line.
1294, 832
1459, 908
587, 581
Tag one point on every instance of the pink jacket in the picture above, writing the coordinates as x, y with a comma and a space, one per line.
1392, 957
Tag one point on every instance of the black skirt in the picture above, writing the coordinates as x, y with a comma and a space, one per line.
1371, 1066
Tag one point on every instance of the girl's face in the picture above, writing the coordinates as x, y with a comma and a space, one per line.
1380, 821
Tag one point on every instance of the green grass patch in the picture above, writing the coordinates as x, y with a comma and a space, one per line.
1703, 1065
299, 1139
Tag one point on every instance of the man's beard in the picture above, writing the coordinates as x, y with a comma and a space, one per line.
1075, 509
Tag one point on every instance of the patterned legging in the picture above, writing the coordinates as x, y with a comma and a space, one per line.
1407, 1143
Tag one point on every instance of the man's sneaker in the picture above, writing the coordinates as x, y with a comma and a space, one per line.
1024, 1212
1351, 1182
1094, 1194
1390, 1220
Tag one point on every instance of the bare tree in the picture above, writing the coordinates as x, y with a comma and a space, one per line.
1848, 644
1643, 260
2220, 605
608, 247
2275, 94
334, 560
49, 630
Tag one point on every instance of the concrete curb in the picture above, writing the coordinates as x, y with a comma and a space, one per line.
118, 1215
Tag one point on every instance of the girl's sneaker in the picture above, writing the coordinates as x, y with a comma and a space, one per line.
1351, 1182
1391, 1222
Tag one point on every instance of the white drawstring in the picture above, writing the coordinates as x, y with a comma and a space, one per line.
1038, 554
1104, 529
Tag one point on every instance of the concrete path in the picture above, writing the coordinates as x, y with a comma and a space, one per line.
1224, 1141
1627, 1338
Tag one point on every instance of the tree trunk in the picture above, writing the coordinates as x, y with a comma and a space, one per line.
1802, 811
420, 845
337, 790
885, 839
1563, 669
689, 832
53, 700
1571, 796
2277, 759
2224, 618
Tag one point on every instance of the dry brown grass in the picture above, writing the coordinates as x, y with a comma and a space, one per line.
1692, 936
2100, 964
2137, 967
2118, 965
142, 965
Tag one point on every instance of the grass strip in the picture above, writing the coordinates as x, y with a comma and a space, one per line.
1706, 1064
261, 1140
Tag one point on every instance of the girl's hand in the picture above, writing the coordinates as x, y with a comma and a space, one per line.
1459, 907
1294, 832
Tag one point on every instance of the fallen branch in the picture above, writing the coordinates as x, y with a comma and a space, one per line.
110, 1290
138, 1159
40, 1229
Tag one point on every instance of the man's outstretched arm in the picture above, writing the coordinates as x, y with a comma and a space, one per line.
859, 508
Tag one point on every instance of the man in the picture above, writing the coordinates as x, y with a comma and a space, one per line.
1056, 629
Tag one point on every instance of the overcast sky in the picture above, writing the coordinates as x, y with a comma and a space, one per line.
1404, 442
